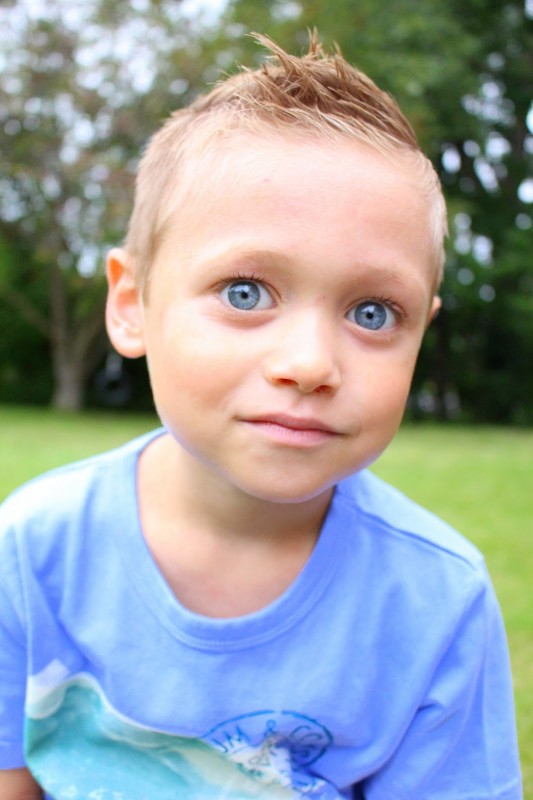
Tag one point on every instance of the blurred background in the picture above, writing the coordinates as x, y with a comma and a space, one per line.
84, 83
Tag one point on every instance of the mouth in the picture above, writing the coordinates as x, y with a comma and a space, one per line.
294, 423
299, 431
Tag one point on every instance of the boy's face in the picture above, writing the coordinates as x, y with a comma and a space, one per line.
286, 308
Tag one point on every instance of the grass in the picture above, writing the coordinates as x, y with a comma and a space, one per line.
478, 479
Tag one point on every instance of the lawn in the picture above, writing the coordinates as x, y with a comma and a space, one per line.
478, 479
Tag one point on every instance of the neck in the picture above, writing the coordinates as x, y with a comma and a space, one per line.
222, 552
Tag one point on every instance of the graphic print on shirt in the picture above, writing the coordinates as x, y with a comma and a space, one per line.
273, 746
78, 746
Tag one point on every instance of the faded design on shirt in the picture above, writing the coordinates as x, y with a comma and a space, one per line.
269, 743
80, 748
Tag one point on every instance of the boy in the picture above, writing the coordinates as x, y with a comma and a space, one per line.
232, 607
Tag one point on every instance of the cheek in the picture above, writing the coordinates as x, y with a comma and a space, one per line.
386, 388
190, 363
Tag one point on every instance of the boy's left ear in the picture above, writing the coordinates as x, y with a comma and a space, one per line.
124, 310
435, 307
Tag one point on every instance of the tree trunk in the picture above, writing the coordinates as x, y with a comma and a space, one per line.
69, 383
75, 354
76, 344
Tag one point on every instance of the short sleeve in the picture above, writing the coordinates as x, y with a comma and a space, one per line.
12, 659
461, 744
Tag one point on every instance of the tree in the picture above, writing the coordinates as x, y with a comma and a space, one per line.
24, 359
82, 86
487, 171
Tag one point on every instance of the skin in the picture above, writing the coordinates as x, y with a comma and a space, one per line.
232, 500
18, 784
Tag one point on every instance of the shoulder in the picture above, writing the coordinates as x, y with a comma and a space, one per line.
402, 521
418, 577
408, 551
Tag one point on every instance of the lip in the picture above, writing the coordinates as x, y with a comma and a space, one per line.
293, 423
292, 431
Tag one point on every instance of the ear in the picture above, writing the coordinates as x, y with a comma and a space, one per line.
124, 310
435, 307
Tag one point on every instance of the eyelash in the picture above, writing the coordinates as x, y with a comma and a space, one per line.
234, 277
243, 276
251, 277
386, 301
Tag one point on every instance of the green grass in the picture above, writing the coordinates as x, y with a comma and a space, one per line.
478, 479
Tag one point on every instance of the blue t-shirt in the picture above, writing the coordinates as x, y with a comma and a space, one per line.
381, 673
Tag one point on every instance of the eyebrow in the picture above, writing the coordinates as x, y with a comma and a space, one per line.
397, 276
260, 257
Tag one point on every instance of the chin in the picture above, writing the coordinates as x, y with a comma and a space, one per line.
284, 492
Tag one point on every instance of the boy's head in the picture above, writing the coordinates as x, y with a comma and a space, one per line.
279, 274
311, 97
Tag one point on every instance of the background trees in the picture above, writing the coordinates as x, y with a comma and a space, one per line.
83, 85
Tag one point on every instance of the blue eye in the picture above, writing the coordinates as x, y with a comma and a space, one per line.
372, 315
247, 296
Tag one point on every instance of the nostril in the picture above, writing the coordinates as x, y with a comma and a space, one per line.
286, 382
324, 389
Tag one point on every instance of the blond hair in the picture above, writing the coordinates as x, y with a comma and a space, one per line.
316, 94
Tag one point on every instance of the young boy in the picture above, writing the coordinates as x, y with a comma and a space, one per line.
232, 607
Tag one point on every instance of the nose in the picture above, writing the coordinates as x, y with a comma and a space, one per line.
304, 356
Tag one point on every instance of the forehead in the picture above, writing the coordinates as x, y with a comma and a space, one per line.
284, 188
222, 159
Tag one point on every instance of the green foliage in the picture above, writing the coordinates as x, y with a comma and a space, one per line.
24, 352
